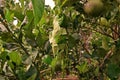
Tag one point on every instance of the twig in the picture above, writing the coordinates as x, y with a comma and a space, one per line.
106, 57
103, 33
45, 70
115, 32
5, 75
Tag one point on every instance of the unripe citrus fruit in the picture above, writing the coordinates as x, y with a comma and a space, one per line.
103, 21
93, 7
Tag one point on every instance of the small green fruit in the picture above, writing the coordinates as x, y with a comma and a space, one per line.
103, 22
93, 7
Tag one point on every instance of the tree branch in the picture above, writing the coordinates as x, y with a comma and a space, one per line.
12, 34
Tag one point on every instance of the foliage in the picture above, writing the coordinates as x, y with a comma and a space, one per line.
57, 43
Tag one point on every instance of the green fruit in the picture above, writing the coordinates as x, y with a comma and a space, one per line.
93, 7
118, 1
103, 22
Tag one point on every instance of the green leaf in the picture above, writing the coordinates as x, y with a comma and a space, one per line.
18, 12
12, 66
9, 15
56, 64
31, 73
41, 38
60, 39
22, 3
53, 63
29, 14
99, 53
21, 74
6, 39
28, 30
113, 71
47, 59
3, 55
71, 41
83, 67
96, 71
32, 77
64, 21
105, 43
15, 57
38, 7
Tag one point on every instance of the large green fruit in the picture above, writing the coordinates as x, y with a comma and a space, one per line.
93, 7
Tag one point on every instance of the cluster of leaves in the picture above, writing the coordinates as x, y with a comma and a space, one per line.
53, 43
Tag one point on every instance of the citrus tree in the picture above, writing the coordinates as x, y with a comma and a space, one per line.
76, 40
